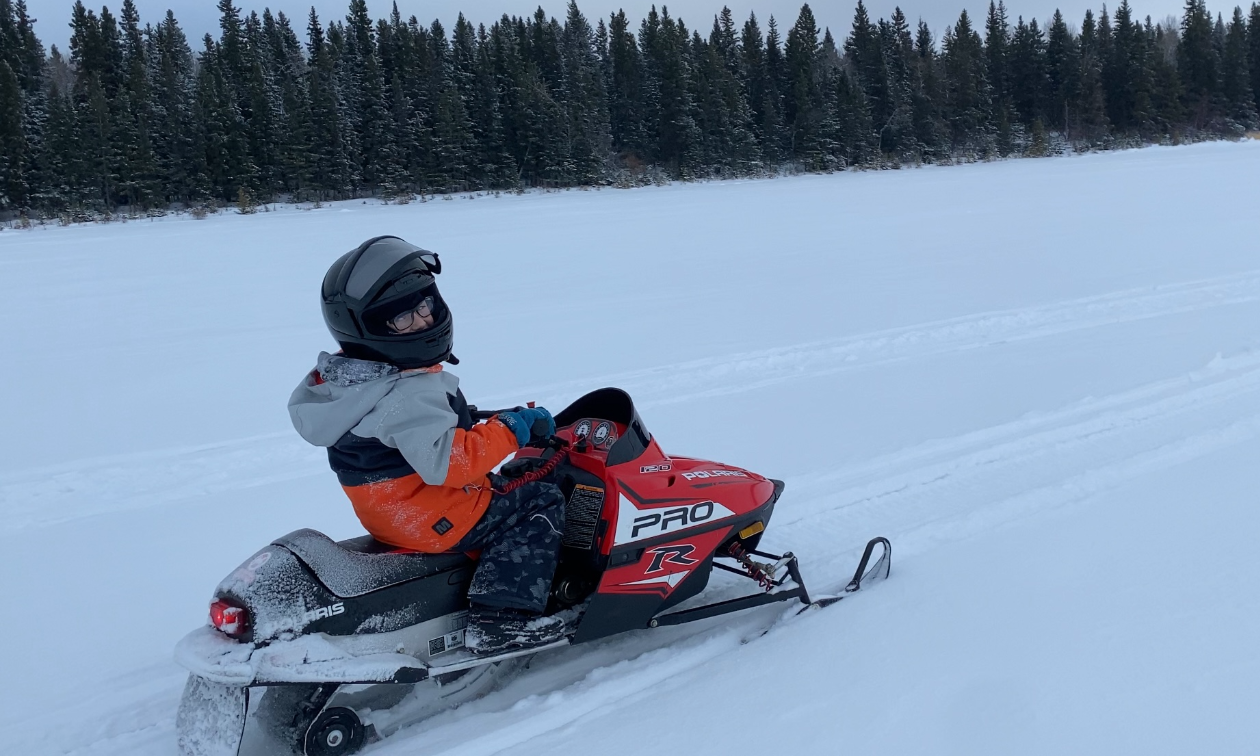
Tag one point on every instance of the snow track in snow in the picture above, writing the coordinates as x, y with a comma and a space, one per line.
61, 493
748, 371
954, 488
46, 496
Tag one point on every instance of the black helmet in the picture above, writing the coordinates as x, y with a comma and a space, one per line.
367, 288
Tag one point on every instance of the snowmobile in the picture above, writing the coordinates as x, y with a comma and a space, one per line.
318, 647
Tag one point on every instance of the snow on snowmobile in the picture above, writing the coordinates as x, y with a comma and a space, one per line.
318, 647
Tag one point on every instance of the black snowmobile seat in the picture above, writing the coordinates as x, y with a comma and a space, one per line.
369, 545
362, 565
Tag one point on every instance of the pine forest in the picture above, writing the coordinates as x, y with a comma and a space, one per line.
134, 117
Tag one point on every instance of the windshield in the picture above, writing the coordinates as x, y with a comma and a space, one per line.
615, 405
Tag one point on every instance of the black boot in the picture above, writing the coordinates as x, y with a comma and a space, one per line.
493, 631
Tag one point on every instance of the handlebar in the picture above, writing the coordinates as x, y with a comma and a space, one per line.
480, 414
552, 442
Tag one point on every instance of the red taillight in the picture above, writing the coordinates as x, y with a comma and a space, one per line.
231, 619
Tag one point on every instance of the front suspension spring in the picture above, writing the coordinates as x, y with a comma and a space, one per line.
755, 570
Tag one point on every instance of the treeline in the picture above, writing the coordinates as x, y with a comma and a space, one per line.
133, 118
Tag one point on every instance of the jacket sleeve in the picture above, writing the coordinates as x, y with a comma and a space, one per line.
475, 452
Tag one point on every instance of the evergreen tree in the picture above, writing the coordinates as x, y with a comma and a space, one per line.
289, 106
601, 51
1126, 75
585, 100
929, 125
864, 50
1027, 71
726, 119
997, 39
261, 116
403, 49
223, 146
234, 106
905, 91
329, 166
497, 169
1090, 124
171, 84
829, 136
362, 85
1253, 51
530, 110
968, 97
60, 158
453, 153
858, 143
777, 133
1063, 71
762, 91
997, 36
625, 95
23, 109
515, 82
1198, 64
1166, 90
1236, 75
138, 179
662, 41
95, 59
710, 113
13, 186
803, 100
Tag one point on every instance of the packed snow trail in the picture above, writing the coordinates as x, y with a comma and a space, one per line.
1057, 431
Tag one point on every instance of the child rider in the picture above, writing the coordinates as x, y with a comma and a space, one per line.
407, 453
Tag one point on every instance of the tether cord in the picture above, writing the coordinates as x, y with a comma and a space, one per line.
534, 475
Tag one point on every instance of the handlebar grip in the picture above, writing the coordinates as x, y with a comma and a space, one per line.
479, 414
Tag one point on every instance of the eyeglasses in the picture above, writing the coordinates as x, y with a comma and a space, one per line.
406, 321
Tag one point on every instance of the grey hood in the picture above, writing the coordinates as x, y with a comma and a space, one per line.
408, 410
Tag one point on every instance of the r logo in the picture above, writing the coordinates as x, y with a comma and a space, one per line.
676, 555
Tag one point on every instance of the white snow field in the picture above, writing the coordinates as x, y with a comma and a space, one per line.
1039, 378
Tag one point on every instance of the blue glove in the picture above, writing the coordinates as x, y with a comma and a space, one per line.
530, 424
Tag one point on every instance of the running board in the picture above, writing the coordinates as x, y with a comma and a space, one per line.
728, 606
477, 661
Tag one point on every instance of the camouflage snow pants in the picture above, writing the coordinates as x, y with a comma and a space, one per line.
519, 538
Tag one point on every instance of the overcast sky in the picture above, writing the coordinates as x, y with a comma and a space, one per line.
200, 16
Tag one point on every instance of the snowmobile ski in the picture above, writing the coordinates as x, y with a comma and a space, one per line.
863, 576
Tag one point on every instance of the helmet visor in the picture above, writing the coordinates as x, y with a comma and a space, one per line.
412, 321
411, 313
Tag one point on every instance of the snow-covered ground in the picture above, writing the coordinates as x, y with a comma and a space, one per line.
1039, 378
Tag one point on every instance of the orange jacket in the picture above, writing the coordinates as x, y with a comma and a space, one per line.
404, 448
408, 513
